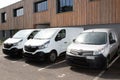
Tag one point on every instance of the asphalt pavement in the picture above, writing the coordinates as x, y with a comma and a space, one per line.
20, 69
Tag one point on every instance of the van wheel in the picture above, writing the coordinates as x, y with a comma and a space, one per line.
52, 57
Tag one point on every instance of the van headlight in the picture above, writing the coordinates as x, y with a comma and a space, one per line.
101, 51
17, 43
68, 50
45, 45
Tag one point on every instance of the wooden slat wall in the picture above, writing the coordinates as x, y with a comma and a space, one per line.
12, 22
117, 8
67, 18
93, 12
88, 13
28, 20
42, 17
28, 13
80, 9
31, 18
84, 12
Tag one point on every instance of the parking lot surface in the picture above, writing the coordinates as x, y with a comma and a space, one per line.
20, 69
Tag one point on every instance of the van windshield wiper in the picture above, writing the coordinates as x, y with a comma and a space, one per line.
84, 43
93, 43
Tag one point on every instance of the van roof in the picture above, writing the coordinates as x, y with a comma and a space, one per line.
59, 28
99, 30
29, 29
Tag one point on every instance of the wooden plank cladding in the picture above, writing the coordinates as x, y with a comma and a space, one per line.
41, 18
88, 12
85, 12
12, 22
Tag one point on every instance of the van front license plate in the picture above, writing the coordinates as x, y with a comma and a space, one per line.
90, 57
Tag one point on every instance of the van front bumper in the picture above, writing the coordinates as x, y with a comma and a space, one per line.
12, 51
86, 61
39, 56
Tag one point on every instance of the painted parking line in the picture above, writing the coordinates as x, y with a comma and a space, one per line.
16, 61
51, 65
13, 61
102, 72
25, 65
61, 76
2, 55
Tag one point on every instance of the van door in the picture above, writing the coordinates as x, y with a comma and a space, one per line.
60, 40
113, 44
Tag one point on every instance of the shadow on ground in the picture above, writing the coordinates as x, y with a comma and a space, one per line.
60, 62
113, 73
14, 58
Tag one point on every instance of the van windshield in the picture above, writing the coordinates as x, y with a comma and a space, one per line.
22, 34
95, 38
45, 34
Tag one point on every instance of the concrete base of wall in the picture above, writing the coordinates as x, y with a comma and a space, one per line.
115, 26
9, 33
4, 34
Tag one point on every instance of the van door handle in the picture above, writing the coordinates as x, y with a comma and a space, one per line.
65, 42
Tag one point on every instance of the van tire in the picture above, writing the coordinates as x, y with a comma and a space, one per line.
52, 57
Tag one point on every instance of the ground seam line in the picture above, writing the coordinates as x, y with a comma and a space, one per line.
102, 72
50, 65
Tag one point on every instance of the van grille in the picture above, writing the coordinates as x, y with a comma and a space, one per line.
8, 45
30, 48
82, 53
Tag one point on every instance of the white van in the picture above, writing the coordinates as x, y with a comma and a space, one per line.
50, 43
14, 46
94, 48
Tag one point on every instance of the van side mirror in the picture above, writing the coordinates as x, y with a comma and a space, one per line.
112, 41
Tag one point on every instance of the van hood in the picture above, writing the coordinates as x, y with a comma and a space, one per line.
12, 41
86, 47
36, 42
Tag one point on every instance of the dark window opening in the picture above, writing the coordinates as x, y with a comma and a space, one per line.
64, 5
61, 35
112, 38
92, 38
41, 6
3, 34
33, 34
18, 12
12, 32
3, 17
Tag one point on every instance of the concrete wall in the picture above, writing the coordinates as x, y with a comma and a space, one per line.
7, 34
114, 26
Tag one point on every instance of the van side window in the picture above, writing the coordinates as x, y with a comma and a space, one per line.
61, 35
32, 34
111, 38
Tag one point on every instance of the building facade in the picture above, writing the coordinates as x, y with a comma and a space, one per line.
57, 13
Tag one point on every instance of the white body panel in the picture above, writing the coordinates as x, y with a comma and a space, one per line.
18, 42
104, 49
59, 46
